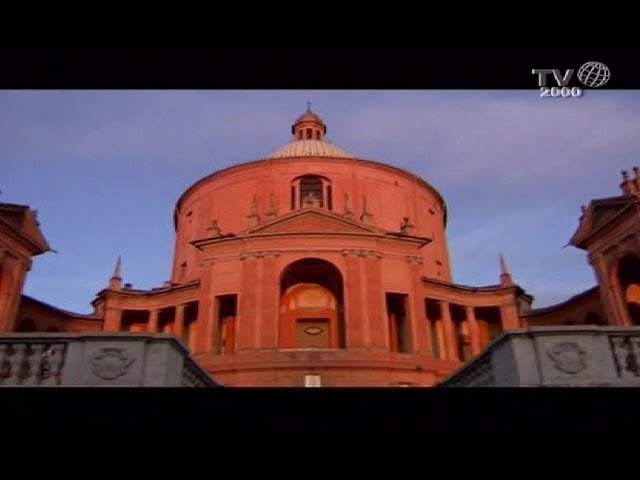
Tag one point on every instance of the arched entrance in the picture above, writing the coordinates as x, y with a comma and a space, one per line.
629, 278
311, 305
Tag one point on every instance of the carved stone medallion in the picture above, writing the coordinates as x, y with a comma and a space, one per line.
110, 363
568, 357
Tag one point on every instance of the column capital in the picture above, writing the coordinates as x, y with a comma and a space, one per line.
594, 257
24, 262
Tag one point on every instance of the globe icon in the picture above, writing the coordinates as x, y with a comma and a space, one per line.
594, 74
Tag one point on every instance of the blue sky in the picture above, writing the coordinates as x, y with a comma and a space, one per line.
105, 168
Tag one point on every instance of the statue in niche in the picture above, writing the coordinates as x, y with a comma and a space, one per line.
271, 209
214, 229
253, 212
406, 227
310, 200
366, 216
348, 213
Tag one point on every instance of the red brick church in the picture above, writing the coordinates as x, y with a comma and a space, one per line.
314, 267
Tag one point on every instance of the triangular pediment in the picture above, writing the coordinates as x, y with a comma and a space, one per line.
13, 214
22, 220
312, 220
597, 216
603, 214
583, 230
31, 228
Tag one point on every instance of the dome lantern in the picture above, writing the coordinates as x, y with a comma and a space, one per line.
309, 126
309, 139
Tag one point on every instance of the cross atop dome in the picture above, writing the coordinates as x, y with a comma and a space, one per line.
309, 126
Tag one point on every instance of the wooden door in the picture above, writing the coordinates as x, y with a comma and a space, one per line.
313, 333
228, 335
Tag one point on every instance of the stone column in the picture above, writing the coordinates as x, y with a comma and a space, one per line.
206, 324
609, 294
270, 301
620, 305
378, 327
364, 312
509, 316
353, 301
152, 326
112, 319
600, 269
616, 295
440, 338
15, 270
474, 331
258, 284
449, 333
432, 334
178, 322
4, 293
245, 323
419, 325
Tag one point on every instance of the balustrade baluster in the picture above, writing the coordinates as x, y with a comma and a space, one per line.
17, 362
34, 361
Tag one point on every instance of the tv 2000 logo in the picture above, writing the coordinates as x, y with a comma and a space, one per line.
591, 74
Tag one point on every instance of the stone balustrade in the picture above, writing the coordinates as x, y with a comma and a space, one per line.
103, 359
561, 356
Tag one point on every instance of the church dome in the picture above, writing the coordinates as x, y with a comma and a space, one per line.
310, 148
309, 140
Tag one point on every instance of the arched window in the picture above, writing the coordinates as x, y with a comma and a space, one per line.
311, 191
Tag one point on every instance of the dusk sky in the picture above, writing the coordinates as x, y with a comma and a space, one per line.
105, 168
